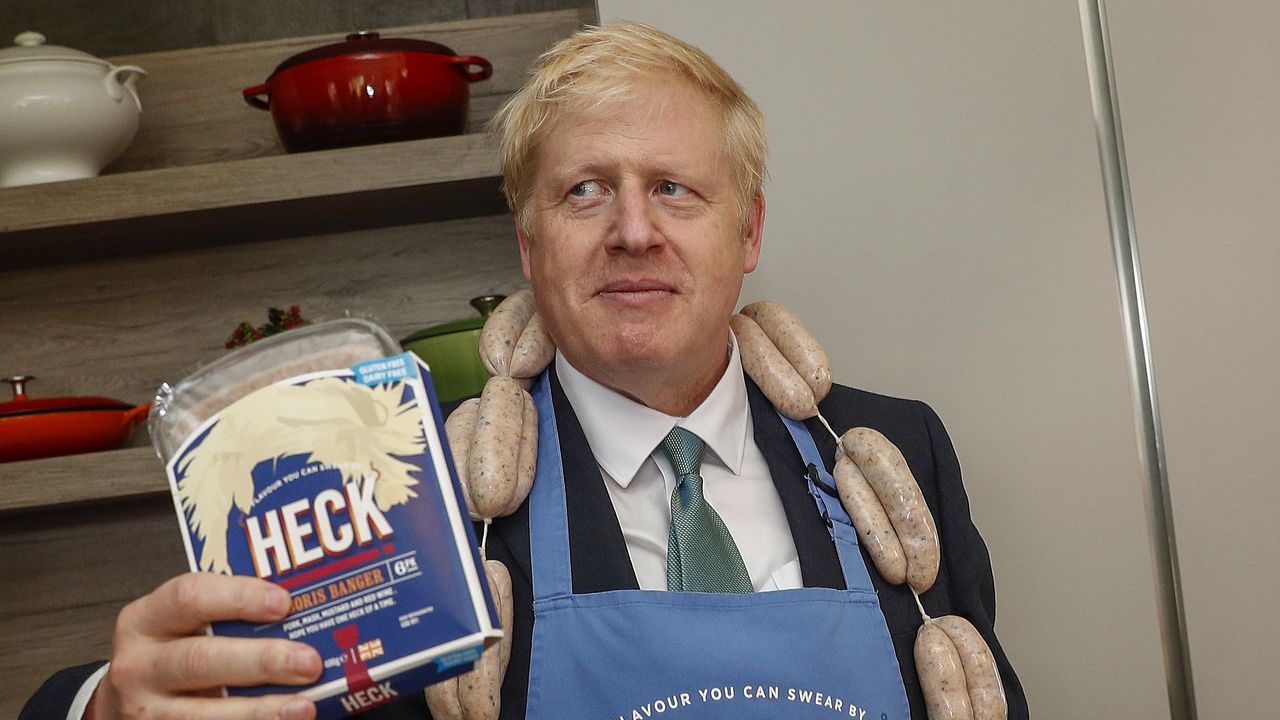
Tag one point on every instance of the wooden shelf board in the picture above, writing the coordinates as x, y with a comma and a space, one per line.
249, 200
79, 479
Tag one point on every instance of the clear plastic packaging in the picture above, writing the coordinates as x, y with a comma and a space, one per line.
179, 409
314, 459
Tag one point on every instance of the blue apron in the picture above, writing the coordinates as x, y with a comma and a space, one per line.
640, 654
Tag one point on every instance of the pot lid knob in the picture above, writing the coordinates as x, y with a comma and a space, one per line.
486, 303
29, 39
363, 35
19, 383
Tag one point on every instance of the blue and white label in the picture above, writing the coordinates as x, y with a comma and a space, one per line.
388, 369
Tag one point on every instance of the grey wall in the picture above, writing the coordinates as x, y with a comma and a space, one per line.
936, 215
1201, 109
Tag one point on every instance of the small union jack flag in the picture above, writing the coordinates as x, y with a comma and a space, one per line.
370, 650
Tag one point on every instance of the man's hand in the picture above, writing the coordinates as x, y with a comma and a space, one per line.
163, 665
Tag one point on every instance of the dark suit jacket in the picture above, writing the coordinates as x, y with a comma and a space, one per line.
600, 561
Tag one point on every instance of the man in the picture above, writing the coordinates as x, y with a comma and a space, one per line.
635, 167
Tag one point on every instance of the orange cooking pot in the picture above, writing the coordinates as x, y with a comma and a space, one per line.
46, 427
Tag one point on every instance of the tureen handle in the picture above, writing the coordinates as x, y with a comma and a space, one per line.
116, 87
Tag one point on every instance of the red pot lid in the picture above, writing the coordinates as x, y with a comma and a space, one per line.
43, 406
364, 43
22, 405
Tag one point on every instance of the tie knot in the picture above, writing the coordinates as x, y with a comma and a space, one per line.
684, 450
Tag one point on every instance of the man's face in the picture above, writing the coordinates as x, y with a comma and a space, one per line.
636, 250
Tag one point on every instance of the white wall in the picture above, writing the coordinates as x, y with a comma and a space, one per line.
1201, 111
936, 216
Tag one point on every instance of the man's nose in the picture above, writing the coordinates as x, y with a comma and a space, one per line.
635, 230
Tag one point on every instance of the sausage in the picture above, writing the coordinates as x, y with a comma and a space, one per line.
502, 331
527, 459
795, 343
445, 699
442, 700
533, 351
886, 471
494, 452
501, 579
480, 691
986, 692
770, 370
458, 429
941, 675
874, 530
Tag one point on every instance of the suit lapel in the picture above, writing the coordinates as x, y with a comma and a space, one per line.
597, 550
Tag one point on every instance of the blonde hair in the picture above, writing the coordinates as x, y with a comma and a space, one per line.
599, 66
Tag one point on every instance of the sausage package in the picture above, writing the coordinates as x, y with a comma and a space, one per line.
314, 459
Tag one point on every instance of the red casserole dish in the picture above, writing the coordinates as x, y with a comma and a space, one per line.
369, 89
46, 427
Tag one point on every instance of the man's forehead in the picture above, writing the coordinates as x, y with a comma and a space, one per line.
602, 133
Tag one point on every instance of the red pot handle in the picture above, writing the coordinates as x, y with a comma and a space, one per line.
251, 96
136, 415
483, 73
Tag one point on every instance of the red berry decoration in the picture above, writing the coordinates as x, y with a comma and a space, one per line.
277, 322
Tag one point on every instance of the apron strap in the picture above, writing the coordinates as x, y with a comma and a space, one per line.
549, 524
548, 521
843, 534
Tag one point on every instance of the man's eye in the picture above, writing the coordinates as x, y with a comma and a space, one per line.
586, 188
672, 189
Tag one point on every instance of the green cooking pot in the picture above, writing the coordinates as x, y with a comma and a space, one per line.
452, 351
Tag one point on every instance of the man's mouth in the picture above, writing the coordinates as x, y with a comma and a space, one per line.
638, 290
635, 286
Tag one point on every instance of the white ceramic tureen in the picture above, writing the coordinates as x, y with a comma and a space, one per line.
64, 114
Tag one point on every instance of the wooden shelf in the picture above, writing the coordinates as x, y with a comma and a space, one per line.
207, 170
94, 300
79, 479
247, 200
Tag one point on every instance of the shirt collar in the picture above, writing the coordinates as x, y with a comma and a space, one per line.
623, 433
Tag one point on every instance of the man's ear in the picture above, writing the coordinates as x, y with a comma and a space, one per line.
524, 252
754, 233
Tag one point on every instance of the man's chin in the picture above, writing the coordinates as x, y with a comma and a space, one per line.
621, 355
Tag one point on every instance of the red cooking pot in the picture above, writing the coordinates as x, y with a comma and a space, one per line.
369, 89
32, 429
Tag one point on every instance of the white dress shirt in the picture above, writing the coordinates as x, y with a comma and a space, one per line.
624, 437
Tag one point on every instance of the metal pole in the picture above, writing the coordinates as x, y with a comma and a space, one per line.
1146, 410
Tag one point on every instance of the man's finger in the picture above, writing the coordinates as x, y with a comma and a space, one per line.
267, 707
185, 604
203, 662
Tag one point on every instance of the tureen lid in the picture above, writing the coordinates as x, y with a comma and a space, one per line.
30, 46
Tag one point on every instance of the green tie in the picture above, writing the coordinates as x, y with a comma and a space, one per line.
701, 555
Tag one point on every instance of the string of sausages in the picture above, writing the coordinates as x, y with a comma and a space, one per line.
957, 671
